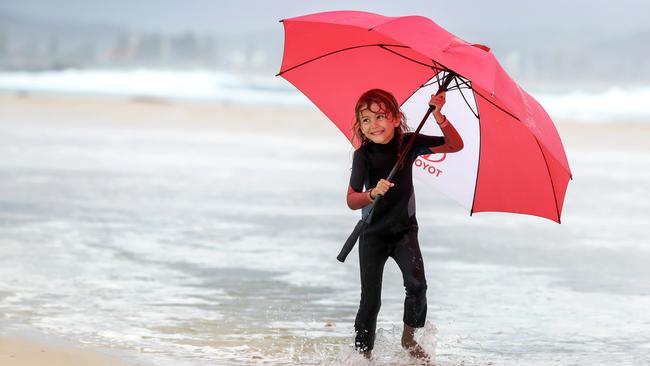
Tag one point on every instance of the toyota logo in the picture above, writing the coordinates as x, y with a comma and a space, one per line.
428, 157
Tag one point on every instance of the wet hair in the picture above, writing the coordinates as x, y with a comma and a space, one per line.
387, 103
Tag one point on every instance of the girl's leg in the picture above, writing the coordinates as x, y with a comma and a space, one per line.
372, 257
409, 259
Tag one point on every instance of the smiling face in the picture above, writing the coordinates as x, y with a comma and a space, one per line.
377, 124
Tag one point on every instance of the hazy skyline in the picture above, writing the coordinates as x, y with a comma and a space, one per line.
223, 16
579, 40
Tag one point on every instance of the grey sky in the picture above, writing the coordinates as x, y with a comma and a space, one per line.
457, 15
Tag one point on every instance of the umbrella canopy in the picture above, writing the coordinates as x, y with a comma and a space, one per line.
513, 159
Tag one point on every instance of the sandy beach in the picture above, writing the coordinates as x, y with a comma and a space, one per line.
143, 243
26, 352
153, 113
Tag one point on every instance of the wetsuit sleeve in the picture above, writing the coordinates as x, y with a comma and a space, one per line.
423, 143
453, 141
358, 170
356, 198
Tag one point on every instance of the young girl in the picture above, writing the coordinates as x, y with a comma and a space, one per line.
381, 127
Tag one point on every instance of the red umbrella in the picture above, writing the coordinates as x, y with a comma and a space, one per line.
513, 159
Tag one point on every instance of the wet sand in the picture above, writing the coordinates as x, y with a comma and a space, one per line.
155, 113
26, 352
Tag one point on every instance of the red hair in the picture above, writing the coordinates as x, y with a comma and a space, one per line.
387, 103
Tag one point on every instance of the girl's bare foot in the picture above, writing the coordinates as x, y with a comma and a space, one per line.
412, 347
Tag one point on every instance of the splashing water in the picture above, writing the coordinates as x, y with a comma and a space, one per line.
428, 340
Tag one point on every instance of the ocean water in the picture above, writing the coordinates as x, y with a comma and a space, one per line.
194, 247
197, 85
584, 104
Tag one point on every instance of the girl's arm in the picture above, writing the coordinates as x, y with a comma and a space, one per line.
453, 141
355, 197
357, 200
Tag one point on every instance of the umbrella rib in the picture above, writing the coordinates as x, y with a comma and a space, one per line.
464, 82
478, 162
338, 51
459, 88
491, 102
465, 99
442, 69
550, 178
437, 77
423, 85
435, 68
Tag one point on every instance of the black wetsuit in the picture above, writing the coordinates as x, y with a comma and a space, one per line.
392, 233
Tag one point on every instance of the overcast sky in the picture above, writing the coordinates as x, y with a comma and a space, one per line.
456, 15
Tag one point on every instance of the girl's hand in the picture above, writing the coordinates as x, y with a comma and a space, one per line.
438, 101
382, 187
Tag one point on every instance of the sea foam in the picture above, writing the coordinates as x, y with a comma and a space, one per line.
612, 103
